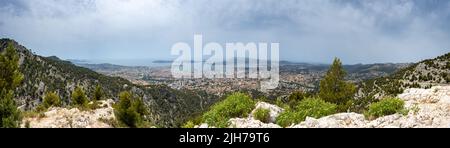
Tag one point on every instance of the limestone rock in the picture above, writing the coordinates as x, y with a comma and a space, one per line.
342, 120
250, 123
428, 108
57, 117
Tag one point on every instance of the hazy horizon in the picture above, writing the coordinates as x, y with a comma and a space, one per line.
151, 62
311, 31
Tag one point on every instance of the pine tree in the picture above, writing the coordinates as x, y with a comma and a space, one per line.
130, 110
98, 93
334, 88
79, 97
124, 111
10, 78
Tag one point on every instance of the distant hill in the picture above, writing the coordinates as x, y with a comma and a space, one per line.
162, 61
103, 66
356, 73
168, 107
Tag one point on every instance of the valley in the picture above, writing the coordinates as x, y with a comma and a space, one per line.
293, 77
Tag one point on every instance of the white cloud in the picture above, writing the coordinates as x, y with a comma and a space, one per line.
308, 30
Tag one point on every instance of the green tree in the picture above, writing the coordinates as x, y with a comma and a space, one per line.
51, 99
10, 78
79, 97
98, 93
130, 110
334, 88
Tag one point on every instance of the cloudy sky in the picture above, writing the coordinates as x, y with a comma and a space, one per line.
357, 31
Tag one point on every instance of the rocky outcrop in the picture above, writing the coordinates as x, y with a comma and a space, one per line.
73, 118
251, 122
351, 120
428, 108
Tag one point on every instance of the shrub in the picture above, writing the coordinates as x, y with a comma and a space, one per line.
79, 97
296, 97
262, 115
235, 105
316, 108
188, 124
27, 124
130, 111
387, 106
279, 102
50, 99
93, 105
309, 107
287, 118
98, 93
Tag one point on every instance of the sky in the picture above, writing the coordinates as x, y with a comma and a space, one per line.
357, 31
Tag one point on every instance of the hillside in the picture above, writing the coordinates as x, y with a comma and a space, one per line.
293, 77
424, 74
168, 107
44, 74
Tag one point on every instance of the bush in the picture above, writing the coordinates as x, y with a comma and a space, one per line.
262, 115
130, 111
93, 105
98, 93
385, 107
79, 97
279, 102
316, 108
51, 99
288, 117
296, 97
235, 105
188, 124
27, 124
310, 107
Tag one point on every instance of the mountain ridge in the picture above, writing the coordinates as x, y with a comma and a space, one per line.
167, 107
423, 74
